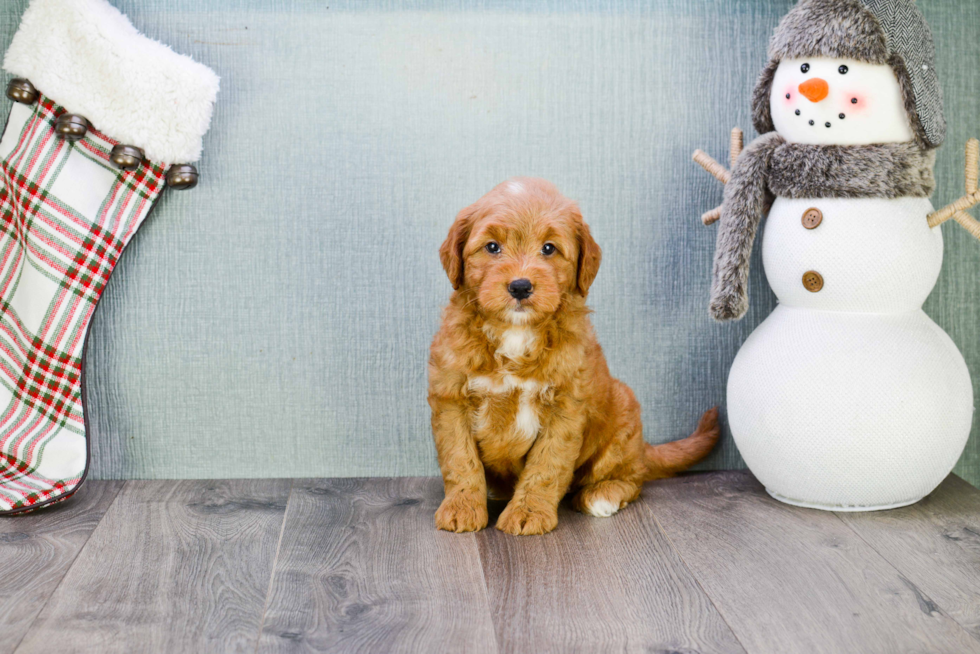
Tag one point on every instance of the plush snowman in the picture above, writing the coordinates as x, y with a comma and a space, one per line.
847, 397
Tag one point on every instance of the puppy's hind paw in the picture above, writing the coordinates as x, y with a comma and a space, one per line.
462, 512
605, 498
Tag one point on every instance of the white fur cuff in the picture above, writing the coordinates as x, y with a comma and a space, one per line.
88, 57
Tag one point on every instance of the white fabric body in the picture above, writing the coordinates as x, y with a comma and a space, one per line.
855, 411
876, 255
849, 398
88, 57
878, 117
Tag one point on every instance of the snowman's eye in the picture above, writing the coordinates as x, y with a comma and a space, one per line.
843, 70
805, 68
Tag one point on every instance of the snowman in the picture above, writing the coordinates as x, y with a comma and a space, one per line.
847, 397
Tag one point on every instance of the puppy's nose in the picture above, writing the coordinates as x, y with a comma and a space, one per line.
520, 289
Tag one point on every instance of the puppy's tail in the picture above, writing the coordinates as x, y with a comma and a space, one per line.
670, 458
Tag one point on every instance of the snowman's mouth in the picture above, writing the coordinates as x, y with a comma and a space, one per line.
813, 123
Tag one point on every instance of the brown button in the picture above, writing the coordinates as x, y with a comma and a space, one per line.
182, 177
71, 127
127, 157
20, 90
812, 218
812, 281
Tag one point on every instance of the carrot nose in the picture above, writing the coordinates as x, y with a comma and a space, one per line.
815, 89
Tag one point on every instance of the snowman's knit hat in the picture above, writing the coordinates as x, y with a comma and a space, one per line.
892, 32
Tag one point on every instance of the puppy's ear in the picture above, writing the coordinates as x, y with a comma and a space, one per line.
451, 252
589, 258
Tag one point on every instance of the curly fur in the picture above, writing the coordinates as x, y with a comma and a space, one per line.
527, 408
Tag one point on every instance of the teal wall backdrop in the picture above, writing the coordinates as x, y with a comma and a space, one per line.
275, 321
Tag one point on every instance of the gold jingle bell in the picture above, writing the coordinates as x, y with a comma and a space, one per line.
21, 90
71, 127
182, 177
127, 157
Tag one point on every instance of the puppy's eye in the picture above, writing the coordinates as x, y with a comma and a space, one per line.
843, 70
805, 68
493, 247
548, 249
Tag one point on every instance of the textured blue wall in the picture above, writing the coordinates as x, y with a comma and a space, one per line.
276, 320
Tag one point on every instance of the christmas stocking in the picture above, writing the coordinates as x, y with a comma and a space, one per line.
103, 120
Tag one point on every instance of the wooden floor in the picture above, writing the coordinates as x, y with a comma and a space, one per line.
703, 563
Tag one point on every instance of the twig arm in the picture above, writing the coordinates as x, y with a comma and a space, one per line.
968, 223
717, 171
957, 210
972, 165
966, 202
711, 217
737, 144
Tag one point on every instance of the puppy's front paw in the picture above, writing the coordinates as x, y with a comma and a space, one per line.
522, 521
462, 512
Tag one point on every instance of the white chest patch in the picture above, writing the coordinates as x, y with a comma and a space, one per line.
506, 385
515, 342
527, 423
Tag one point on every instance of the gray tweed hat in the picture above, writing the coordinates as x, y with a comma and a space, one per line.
892, 32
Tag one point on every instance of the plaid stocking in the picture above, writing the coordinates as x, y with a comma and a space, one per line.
69, 204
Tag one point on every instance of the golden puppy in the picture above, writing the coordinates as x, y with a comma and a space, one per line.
521, 397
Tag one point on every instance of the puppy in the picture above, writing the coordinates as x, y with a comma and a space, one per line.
522, 400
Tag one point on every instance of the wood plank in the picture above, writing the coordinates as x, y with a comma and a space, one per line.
173, 567
788, 579
598, 585
362, 568
935, 544
36, 550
